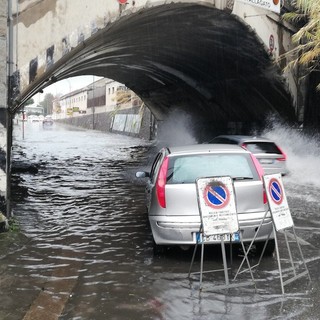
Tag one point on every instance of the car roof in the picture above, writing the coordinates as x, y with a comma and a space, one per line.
206, 148
243, 138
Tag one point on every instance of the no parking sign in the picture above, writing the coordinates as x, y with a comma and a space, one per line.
217, 206
277, 201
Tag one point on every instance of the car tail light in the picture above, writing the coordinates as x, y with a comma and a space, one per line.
161, 183
244, 146
265, 199
260, 173
284, 156
258, 166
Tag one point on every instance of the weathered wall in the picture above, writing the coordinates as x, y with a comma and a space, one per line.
275, 35
3, 101
3, 53
137, 122
64, 25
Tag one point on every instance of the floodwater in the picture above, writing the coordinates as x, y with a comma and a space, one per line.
84, 250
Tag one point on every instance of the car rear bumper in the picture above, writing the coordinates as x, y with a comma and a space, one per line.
273, 169
182, 230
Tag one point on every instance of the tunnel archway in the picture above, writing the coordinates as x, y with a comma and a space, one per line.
189, 57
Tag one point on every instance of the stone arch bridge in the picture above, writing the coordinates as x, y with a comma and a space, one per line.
213, 59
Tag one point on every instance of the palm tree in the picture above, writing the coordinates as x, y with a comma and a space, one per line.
307, 38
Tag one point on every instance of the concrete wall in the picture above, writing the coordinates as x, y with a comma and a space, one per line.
136, 122
3, 101
64, 25
275, 35
3, 54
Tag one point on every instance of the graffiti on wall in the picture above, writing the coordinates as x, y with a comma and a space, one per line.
65, 45
33, 68
45, 58
49, 58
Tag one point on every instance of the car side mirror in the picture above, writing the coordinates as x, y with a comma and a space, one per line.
142, 174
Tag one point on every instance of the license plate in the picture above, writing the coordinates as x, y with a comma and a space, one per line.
266, 161
235, 237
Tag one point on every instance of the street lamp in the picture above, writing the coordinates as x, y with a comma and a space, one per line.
93, 102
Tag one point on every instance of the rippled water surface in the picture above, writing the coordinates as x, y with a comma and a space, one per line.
85, 248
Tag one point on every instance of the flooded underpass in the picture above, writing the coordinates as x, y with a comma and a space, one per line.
83, 249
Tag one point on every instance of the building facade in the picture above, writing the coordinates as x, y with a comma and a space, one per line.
105, 105
70, 104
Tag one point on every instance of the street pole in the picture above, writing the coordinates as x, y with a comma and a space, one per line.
23, 117
9, 105
93, 103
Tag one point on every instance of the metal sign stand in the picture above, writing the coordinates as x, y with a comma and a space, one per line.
250, 246
218, 219
225, 265
281, 222
293, 268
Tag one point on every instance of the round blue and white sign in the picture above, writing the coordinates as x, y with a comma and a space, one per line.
275, 191
217, 196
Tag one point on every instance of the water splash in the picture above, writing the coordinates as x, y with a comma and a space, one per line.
302, 150
176, 130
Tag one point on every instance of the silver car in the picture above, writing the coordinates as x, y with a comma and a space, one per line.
171, 193
269, 154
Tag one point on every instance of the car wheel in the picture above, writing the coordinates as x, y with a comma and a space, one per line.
269, 248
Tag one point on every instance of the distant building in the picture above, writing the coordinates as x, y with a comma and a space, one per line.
97, 96
71, 104
103, 95
105, 105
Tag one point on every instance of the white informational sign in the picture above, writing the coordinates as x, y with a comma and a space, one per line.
272, 5
277, 201
217, 206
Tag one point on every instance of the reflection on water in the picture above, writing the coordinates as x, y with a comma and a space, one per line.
85, 251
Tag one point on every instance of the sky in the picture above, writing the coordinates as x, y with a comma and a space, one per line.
65, 86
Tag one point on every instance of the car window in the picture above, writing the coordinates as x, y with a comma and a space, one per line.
262, 147
187, 169
223, 140
155, 166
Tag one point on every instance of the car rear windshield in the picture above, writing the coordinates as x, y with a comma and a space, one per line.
262, 147
186, 169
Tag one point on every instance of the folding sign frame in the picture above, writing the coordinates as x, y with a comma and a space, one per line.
281, 221
219, 221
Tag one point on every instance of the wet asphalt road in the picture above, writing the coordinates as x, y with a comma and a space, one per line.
84, 250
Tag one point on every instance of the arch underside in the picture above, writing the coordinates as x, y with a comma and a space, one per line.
189, 57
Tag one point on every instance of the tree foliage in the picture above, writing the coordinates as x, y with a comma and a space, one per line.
307, 39
47, 103
29, 102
